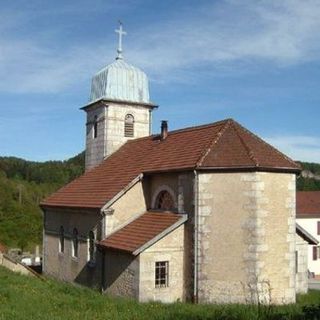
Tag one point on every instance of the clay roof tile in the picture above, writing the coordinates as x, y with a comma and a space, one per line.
221, 145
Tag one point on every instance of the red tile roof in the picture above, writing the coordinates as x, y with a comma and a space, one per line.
142, 230
224, 145
308, 204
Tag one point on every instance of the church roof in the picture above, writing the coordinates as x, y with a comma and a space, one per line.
144, 231
308, 204
220, 146
120, 81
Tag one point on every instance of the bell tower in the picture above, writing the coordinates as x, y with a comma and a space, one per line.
119, 108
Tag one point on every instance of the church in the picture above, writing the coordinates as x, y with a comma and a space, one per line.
203, 214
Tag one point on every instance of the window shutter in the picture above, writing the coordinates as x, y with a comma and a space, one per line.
314, 252
318, 231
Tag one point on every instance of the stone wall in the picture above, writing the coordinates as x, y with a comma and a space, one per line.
246, 238
95, 147
301, 265
16, 266
62, 265
130, 205
170, 248
115, 124
121, 274
180, 185
110, 134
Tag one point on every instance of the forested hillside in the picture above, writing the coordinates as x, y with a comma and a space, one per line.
23, 184
309, 180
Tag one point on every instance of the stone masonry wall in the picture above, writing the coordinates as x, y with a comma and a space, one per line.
181, 186
170, 248
122, 274
62, 265
246, 238
301, 265
111, 129
130, 205
95, 147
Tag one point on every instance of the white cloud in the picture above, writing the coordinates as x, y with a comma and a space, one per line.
196, 40
303, 148
283, 33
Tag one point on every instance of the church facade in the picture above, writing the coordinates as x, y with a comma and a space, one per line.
204, 214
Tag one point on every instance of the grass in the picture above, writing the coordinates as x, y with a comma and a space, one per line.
23, 297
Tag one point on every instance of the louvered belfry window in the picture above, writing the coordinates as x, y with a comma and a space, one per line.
129, 125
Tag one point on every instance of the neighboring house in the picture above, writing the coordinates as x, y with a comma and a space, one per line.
204, 213
308, 217
303, 241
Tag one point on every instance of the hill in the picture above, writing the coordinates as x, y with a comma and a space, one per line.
26, 297
309, 180
23, 184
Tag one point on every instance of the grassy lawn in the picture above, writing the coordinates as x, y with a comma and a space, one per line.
24, 297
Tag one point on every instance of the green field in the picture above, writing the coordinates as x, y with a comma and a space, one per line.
24, 297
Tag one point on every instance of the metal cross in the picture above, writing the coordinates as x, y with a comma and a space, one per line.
121, 33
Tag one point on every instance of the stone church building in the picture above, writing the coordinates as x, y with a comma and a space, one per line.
204, 214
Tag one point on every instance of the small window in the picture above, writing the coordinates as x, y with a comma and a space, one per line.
164, 201
61, 240
297, 261
129, 125
91, 252
95, 127
318, 228
75, 243
314, 252
162, 274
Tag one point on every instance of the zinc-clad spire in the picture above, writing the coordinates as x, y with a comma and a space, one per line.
120, 80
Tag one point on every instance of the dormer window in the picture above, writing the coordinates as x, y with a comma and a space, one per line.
95, 127
129, 126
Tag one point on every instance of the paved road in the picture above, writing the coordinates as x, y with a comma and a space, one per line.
314, 284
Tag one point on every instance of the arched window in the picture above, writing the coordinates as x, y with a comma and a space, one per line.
129, 125
75, 243
61, 240
91, 252
95, 127
164, 201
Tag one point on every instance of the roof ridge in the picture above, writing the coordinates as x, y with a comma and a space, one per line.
202, 126
192, 128
214, 141
266, 144
249, 151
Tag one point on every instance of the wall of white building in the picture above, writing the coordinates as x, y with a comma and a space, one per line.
310, 225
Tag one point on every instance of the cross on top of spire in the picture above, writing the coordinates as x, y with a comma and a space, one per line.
121, 33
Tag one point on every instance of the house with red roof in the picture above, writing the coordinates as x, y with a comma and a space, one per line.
203, 214
308, 216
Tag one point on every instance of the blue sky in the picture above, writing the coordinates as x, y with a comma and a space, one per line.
255, 61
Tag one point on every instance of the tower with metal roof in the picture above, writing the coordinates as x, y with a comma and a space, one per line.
119, 108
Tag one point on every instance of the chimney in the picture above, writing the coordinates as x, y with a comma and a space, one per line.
164, 129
